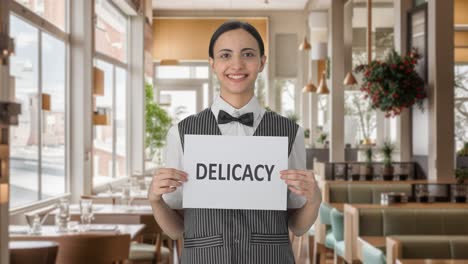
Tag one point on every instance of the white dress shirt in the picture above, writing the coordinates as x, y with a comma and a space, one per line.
174, 153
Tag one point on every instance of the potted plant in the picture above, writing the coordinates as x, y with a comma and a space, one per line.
292, 116
462, 156
393, 84
355, 172
461, 174
459, 190
158, 123
387, 151
367, 169
322, 139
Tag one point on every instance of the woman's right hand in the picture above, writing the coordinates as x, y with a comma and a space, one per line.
165, 180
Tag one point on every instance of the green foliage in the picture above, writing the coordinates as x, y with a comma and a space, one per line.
387, 151
322, 138
464, 151
393, 84
368, 153
307, 133
292, 116
461, 174
158, 122
321, 135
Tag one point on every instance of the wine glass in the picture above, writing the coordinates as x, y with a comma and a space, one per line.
63, 215
86, 212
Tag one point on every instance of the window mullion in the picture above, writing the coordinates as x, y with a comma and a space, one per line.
114, 117
39, 115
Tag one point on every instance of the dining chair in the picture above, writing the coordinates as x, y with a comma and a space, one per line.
100, 200
96, 248
42, 252
152, 248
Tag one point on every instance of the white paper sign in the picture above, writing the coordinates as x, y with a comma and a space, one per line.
235, 172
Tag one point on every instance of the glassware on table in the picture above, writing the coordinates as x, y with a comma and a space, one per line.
73, 226
355, 173
402, 171
63, 215
422, 193
36, 226
340, 172
86, 212
459, 193
109, 189
125, 199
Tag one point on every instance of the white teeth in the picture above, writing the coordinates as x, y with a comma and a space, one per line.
237, 76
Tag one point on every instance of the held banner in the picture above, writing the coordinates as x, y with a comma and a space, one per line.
235, 172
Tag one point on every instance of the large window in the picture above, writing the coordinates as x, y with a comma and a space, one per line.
461, 105
38, 143
52, 10
182, 90
110, 30
285, 96
110, 148
360, 119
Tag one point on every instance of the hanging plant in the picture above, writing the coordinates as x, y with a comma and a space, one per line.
393, 84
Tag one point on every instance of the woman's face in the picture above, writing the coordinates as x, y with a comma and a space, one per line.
237, 62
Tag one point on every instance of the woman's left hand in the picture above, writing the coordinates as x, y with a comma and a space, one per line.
301, 182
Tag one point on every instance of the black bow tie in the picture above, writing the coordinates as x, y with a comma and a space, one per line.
245, 119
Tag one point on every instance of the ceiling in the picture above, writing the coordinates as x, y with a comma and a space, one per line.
229, 4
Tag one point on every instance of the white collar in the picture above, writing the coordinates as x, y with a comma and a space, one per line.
252, 106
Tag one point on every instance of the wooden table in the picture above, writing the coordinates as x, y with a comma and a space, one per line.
20, 232
114, 214
138, 195
351, 220
376, 241
432, 261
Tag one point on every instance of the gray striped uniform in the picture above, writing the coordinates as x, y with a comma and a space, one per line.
236, 236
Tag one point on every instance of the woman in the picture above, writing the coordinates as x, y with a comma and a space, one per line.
236, 54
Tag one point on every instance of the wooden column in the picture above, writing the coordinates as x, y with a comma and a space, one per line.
81, 84
336, 96
401, 8
441, 89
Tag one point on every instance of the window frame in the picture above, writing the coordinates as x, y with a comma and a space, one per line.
127, 39
114, 62
297, 92
42, 25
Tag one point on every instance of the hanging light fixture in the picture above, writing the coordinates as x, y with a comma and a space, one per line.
320, 53
309, 88
323, 88
305, 45
350, 79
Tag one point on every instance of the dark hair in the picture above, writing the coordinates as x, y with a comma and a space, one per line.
235, 24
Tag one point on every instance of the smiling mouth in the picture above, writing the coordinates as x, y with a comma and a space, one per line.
237, 77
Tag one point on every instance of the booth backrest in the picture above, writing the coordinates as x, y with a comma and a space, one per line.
433, 247
364, 193
400, 221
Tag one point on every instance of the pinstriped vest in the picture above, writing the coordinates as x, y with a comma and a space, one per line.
224, 236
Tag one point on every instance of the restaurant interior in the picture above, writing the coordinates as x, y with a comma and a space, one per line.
89, 89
